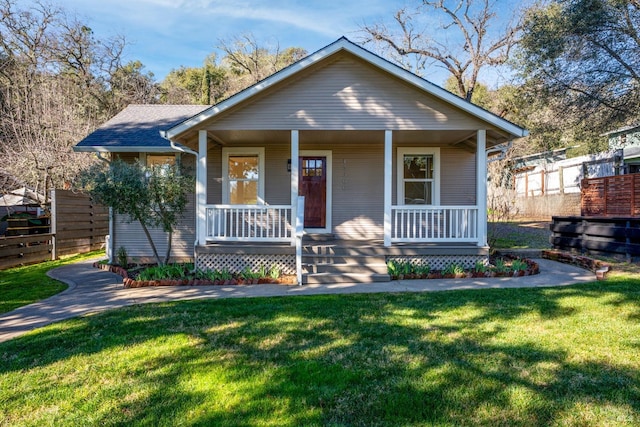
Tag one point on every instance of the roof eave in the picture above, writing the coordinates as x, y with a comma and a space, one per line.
122, 149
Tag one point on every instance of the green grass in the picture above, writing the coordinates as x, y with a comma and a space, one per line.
513, 357
25, 285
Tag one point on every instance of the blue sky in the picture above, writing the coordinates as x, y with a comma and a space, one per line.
165, 34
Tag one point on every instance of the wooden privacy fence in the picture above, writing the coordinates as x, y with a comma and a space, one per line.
78, 225
611, 196
608, 236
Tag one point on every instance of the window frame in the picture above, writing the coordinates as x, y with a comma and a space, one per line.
228, 152
432, 151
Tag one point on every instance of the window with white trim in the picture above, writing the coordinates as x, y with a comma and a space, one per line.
418, 176
243, 176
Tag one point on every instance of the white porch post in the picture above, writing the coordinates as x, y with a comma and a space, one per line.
201, 188
388, 157
481, 186
295, 153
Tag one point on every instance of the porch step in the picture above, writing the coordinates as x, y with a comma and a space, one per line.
345, 268
338, 264
328, 278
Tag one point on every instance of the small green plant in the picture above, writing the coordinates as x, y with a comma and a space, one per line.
480, 267
453, 269
122, 257
247, 274
274, 272
422, 270
501, 266
393, 268
519, 265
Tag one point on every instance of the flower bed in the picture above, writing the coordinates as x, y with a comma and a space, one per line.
506, 266
139, 276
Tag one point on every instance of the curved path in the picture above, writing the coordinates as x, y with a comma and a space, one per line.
92, 290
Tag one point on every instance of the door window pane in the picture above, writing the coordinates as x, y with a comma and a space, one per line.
312, 167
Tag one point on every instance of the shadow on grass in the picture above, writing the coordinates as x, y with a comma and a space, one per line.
498, 357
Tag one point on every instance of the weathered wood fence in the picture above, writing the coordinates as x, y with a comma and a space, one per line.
611, 196
597, 236
78, 225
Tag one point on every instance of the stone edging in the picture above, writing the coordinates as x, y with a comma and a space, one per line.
600, 268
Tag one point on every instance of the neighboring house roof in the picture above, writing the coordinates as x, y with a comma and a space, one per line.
343, 44
137, 128
21, 197
624, 129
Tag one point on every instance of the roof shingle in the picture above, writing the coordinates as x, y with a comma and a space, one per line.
138, 126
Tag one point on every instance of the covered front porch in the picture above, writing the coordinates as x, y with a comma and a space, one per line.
405, 221
435, 231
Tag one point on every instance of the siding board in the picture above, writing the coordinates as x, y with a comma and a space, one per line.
345, 94
132, 237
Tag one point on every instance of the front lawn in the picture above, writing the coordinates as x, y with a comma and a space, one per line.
528, 357
25, 285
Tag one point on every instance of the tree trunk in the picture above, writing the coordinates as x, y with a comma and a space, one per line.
153, 246
170, 240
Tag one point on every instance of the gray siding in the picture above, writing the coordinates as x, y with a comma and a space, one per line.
132, 237
345, 94
458, 177
358, 197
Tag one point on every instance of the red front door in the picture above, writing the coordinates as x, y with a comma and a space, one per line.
313, 186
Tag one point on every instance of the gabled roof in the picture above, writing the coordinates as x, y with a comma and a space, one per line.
137, 128
343, 44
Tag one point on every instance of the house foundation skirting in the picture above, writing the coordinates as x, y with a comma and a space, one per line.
440, 262
236, 259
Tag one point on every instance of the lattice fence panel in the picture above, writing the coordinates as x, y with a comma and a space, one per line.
440, 262
236, 263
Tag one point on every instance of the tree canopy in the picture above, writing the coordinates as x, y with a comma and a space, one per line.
580, 62
484, 41
152, 196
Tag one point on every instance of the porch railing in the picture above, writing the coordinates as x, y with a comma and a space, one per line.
411, 223
251, 223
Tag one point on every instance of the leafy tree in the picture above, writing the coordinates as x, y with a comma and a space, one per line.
484, 42
152, 196
196, 85
248, 62
580, 61
482, 95
245, 62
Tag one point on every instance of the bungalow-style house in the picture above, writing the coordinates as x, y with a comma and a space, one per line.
363, 159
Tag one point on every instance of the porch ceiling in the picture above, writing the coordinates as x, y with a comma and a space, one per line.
462, 138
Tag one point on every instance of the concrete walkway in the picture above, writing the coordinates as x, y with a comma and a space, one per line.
91, 290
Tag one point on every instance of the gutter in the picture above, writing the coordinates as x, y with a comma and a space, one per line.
502, 149
175, 147
183, 149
